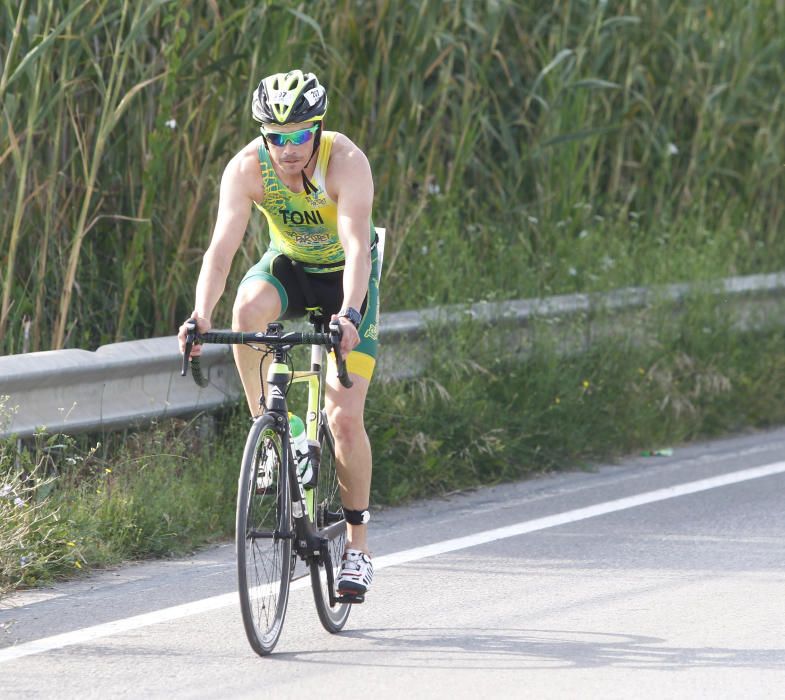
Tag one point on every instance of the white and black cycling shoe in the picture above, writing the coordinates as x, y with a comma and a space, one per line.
355, 577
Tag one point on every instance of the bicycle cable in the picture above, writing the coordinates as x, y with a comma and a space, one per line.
289, 364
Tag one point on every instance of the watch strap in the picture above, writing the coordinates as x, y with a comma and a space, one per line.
353, 315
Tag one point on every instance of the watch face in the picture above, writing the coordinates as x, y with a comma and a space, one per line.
353, 315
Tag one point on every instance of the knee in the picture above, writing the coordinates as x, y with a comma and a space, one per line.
346, 426
248, 314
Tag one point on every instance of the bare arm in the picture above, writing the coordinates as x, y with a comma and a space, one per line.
234, 210
353, 183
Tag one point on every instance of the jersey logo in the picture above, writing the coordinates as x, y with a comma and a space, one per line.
298, 218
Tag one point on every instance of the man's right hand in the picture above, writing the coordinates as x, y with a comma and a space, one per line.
202, 326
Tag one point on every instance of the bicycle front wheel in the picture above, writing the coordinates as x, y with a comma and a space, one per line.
332, 526
263, 536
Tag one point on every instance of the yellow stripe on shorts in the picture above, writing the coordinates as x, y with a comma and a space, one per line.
357, 363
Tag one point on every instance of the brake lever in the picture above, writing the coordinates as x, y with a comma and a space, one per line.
340, 362
190, 337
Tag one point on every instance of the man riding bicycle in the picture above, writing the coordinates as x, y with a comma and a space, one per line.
315, 188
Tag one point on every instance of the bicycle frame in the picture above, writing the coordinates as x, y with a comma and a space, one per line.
308, 544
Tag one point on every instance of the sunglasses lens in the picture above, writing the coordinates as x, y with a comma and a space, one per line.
274, 138
296, 137
301, 137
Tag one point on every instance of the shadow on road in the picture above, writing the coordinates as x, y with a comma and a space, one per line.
529, 648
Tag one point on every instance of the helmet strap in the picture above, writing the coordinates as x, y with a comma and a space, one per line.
308, 186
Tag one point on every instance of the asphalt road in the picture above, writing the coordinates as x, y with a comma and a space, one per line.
652, 578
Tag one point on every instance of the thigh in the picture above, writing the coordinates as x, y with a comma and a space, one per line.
361, 362
257, 303
273, 273
369, 328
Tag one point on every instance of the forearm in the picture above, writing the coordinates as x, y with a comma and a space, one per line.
355, 279
210, 286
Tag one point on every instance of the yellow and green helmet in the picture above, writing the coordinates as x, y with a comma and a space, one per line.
288, 98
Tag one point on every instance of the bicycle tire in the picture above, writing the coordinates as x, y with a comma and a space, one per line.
330, 523
263, 558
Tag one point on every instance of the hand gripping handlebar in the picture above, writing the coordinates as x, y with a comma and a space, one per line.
332, 340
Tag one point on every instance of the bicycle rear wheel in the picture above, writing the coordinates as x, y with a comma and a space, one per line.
332, 526
263, 536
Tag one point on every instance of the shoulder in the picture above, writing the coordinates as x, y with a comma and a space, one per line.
243, 173
347, 154
348, 165
245, 161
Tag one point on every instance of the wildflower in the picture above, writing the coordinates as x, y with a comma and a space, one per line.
557, 400
70, 544
7, 488
77, 565
107, 470
18, 502
171, 123
583, 234
533, 220
673, 149
586, 384
23, 560
641, 371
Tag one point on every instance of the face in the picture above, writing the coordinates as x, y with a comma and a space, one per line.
290, 157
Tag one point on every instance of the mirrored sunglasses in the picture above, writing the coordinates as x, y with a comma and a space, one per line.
294, 137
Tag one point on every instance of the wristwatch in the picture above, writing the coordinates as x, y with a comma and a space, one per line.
352, 314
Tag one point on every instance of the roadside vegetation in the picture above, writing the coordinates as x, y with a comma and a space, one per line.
519, 150
68, 505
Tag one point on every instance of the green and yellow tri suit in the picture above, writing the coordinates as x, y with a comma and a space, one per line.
304, 227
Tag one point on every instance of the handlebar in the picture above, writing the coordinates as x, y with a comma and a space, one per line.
331, 340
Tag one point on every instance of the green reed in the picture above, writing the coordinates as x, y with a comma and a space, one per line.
544, 147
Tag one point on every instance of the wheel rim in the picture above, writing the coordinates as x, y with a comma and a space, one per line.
329, 520
264, 561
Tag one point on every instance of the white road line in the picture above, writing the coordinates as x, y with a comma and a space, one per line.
200, 606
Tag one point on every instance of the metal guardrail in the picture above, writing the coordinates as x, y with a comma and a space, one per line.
134, 382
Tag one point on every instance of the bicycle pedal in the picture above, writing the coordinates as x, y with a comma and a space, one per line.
351, 598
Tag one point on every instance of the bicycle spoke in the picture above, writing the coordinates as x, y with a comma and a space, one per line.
331, 525
263, 561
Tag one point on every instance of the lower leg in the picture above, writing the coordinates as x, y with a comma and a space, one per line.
352, 454
353, 463
256, 305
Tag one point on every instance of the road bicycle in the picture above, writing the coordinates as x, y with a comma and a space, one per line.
278, 518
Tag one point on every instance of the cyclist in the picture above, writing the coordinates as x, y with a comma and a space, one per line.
315, 189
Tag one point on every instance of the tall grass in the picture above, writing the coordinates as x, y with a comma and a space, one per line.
70, 505
545, 146
489, 417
